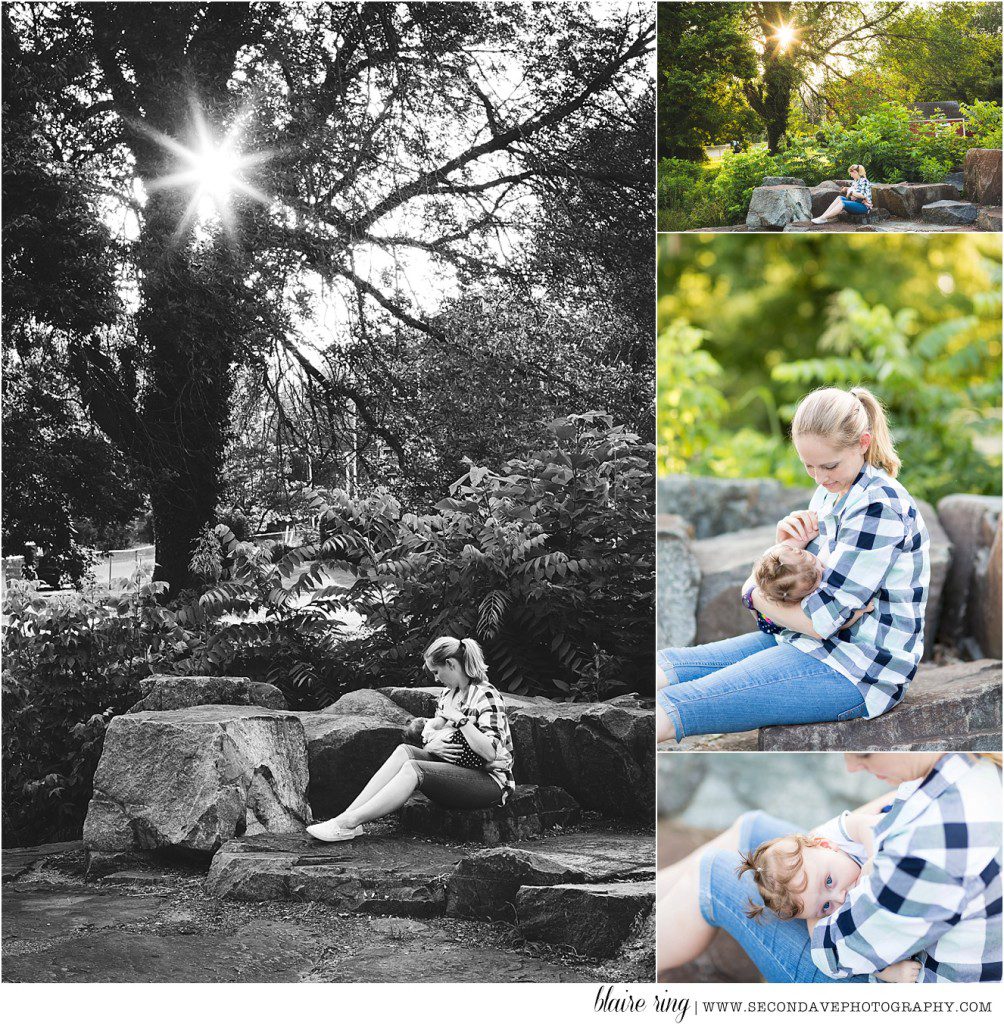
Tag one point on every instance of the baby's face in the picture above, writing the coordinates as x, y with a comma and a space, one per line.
828, 874
803, 561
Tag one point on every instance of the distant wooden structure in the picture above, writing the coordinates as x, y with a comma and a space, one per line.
927, 113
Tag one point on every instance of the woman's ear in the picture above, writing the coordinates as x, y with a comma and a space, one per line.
866, 441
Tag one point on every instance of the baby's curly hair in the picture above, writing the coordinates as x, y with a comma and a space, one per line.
780, 582
775, 865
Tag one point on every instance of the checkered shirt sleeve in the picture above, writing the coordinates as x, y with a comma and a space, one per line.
869, 540
935, 891
862, 186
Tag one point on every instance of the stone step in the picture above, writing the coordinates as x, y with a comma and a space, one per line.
18, 861
376, 874
593, 919
528, 813
949, 211
947, 707
486, 883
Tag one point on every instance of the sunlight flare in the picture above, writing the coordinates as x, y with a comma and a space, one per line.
786, 36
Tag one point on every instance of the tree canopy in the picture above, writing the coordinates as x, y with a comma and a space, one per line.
422, 200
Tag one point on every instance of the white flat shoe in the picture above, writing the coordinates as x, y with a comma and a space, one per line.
818, 220
329, 832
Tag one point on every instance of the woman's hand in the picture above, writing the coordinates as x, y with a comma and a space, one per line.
854, 619
798, 528
442, 747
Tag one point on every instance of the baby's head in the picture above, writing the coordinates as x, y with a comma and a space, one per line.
799, 876
412, 732
788, 574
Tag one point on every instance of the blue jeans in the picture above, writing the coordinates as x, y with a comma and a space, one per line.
750, 681
853, 206
781, 950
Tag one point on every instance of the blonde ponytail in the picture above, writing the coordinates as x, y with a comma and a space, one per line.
467, 652
841, 417
881, 452
994, 759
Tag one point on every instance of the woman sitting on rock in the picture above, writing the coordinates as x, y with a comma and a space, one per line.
856, 198
849, 649
932, 892
466, 760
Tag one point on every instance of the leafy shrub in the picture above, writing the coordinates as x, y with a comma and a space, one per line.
740, 173
71, 663
983, 122
548, 563
684, 196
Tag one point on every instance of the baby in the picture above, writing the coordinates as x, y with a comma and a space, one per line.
419, 731
787, 573
808, 876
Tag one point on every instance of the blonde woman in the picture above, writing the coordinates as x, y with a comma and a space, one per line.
851, 647
856, 198
932, 893
470, 726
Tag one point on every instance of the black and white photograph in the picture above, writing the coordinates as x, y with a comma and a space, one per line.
328, 492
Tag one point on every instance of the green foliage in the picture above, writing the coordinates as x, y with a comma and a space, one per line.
71, 663
548, 563
888, 140
749, 325
703, 53
983, 123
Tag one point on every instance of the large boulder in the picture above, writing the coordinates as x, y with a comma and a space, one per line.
986, 608
678, 581
527, 814
775, 180
714, 505
822, 197
344, 752
906, 200
982, 173
774, 206
594, 919
168, 693
950, 212
600, 753
420, 701
190, 780
970, 521
726, 561
947, 707
989, 219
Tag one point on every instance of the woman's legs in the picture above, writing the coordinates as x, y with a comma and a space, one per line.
391, 797
381, 776
834, 209
779, 685
684, 664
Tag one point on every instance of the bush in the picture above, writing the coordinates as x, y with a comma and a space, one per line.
740, 173
684, 196
548, 563
983, 122
71, 663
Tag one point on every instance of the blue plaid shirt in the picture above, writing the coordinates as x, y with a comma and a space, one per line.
876, 548
934, 892
863, 187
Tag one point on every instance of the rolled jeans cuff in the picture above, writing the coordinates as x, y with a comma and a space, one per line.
667, 705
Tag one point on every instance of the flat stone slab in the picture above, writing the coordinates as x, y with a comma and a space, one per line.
989, 218
87, 934
168, 693
528, 813
949, 211
485, 884
382, 874
947, 707
18, 861
594, 919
